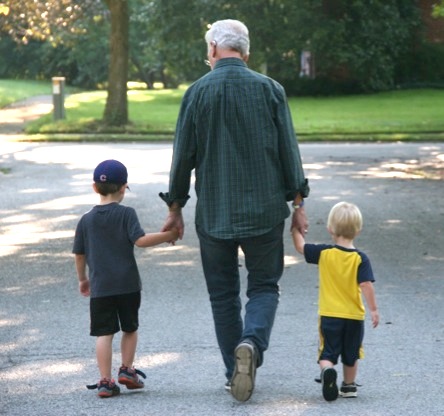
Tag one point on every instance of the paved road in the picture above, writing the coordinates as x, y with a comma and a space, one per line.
47, 356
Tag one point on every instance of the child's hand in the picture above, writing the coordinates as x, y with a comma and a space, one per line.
375, 318
176, 233
84, 287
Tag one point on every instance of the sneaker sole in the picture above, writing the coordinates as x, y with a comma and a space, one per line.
130, 384
106, 394
348, 395
242, 383
329, 386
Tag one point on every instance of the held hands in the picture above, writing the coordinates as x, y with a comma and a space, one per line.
174, 222
299, 221
175, 234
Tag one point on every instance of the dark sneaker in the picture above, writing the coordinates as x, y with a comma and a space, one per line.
227, 385
329, 386
130, 378
348, 390
107, 388
242, 382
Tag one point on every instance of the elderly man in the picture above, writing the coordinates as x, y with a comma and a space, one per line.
235, 130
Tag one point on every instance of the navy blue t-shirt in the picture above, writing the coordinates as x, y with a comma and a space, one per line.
106, 236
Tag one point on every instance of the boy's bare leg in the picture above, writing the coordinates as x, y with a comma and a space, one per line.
350, 373
104, 353
325, 363
128, 348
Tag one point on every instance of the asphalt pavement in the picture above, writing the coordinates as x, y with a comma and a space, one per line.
47, 356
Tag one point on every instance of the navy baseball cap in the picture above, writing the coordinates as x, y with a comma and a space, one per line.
111, 171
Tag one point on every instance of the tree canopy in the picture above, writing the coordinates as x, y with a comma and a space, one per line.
310, 46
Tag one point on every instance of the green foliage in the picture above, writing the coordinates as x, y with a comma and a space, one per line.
422, 67
78, 64
63, 38
438, 9
89, 54
357, 43
358, 46
47, 20
166, 45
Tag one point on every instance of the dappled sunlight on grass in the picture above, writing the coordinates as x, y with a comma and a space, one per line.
135, 96
150, 111
87, 97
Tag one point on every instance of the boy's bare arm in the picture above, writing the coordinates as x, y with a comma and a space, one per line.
81, 267
154, 239
370, 298
80, 261
298, 240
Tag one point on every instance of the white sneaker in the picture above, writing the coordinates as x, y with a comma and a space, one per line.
242, 382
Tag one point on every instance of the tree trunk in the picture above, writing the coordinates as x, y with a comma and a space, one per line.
116, 109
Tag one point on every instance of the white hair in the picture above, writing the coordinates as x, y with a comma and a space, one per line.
229, 34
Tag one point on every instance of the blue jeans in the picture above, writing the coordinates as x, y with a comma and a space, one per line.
264, 261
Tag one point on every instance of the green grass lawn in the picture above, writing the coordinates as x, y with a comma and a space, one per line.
12, 90
394, 115
407, 111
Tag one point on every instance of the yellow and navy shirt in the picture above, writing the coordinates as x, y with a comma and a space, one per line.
341, 270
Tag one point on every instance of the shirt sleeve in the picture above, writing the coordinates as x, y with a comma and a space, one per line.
290, 157
184, 154
79, 242
135, 231
365, 272
312, 252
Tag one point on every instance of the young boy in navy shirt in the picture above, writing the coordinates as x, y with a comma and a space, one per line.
107, 272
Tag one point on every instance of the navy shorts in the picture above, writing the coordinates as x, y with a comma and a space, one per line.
109, 314
341, 337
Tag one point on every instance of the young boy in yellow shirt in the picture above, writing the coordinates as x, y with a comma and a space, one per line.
344, 273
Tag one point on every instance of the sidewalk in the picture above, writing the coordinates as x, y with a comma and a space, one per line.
14, 117
47, 356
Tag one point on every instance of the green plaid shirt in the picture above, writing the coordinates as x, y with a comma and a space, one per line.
235, 130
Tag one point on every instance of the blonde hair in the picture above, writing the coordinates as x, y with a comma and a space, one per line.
345, 220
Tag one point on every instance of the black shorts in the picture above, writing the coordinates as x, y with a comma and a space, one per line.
341, 337
109, 314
